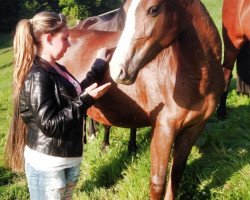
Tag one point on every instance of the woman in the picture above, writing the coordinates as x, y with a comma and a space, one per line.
49, 107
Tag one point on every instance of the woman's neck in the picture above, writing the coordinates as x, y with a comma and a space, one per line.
48, 58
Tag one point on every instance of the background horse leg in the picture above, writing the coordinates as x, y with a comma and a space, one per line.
222, 108
160, 149
183, 144
243, 70
230, 55
92, 129
92, 134
84, 139
105, 142
132, 141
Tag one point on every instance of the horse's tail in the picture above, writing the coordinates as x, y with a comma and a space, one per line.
243, 70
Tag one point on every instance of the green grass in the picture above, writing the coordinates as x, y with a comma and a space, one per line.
12, 186
214, 8
218, 167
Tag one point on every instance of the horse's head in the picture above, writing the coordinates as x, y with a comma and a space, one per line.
151, 25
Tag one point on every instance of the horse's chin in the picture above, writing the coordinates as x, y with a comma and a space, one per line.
125, 81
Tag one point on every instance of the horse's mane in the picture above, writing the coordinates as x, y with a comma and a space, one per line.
111, 21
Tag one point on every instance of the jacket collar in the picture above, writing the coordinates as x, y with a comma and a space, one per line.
43, 63
38, 61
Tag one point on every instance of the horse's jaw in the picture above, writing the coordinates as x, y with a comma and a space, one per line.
120, 75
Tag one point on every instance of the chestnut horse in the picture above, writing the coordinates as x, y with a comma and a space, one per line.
236, 36
170, 54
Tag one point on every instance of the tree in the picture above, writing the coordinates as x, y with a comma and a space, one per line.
73, 9
8, 15
80, 9
11, 11
27, 9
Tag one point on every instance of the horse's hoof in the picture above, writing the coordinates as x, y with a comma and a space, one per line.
132, 150
105, 147
92, 137
221, 114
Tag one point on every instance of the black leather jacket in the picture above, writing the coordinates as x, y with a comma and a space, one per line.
52, 110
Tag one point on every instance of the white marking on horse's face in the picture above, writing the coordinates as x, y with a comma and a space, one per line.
119, 58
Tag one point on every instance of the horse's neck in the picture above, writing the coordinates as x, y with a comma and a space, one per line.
200, 39
116, 23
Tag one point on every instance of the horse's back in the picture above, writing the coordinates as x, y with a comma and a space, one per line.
84, 46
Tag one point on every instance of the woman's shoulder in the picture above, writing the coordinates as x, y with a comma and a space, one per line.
37, 69
37, 73
40, 66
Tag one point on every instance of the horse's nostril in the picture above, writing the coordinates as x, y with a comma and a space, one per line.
122, 74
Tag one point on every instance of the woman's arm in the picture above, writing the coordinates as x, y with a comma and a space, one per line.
95, 74
98, 68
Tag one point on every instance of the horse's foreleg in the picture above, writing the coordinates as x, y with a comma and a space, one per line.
160, 149
182, 146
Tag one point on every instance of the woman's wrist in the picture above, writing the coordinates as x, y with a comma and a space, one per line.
87, 99
100, 62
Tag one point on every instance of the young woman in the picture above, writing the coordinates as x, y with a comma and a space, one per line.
49, 107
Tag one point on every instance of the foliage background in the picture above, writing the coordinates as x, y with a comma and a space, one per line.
12, 11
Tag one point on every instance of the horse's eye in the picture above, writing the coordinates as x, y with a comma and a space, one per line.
154, 10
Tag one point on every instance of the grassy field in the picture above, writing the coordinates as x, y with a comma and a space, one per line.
218, 167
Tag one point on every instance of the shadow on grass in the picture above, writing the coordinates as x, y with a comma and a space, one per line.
109, 174
6, 65
6, 176
225, 149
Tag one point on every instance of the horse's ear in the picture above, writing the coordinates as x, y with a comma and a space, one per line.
126, 4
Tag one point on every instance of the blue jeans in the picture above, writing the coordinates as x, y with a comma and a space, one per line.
51, 185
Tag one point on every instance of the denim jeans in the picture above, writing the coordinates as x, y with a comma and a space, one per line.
51, 185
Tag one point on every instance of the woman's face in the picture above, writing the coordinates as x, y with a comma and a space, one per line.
60, 43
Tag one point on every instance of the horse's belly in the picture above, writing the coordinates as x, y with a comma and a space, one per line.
121, 111
113, 118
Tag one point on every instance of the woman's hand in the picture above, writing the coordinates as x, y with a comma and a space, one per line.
104, 54
97, 92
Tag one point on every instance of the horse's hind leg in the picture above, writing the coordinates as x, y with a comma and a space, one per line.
105, 142
183, 144
84, 139
92, 129
132, 141
232, 47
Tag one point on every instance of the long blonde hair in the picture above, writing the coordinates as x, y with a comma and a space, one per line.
26, 44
